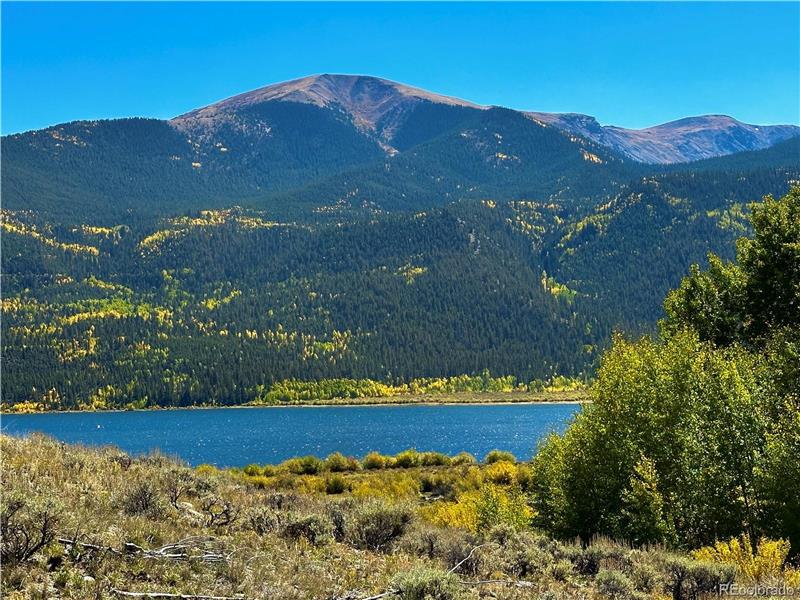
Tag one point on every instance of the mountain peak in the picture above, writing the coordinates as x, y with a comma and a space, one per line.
381, 108
682, 140
367, 99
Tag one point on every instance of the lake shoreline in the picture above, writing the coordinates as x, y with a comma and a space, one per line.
455, 399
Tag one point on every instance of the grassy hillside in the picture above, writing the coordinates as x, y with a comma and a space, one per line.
81, 523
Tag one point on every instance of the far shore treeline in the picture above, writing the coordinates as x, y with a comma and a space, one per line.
460, 389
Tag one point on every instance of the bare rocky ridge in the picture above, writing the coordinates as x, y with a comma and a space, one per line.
379, 107
374, 105
684, 140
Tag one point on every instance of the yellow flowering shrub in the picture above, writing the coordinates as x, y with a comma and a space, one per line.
754, 564
501, 473
389, 485
481, 510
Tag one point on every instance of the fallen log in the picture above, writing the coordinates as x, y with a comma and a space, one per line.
508, 582
88, 546
468, 556
383, 595
179, 551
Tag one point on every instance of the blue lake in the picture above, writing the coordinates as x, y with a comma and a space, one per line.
239, 436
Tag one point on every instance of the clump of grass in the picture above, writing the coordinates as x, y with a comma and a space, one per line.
427, 584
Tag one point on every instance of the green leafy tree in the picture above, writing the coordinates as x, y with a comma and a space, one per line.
643, 506
748, 301
690, 438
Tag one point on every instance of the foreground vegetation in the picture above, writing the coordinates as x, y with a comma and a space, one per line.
84, 523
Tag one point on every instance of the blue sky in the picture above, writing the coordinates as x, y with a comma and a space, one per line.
630, 64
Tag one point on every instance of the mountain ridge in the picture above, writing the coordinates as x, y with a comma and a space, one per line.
683, 140
380, 105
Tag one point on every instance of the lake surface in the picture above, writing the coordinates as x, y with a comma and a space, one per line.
238, 436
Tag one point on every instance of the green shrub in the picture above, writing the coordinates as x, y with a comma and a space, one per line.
502, 534
407, 459
449, 545
143, 499
261, 519
339, 463
179, 482
24, 529
706, 578
758, 563
338, 512
587, 560
314, 528
335, 484
305, 465
436, 485
463, 458
422, 539
282, 500
374, 460
252, 470
645, 578
434, 459
524, 478
495, 505
614, 584
676, 572
524, 553
427, 584
501, 473
523, 560
375, 524
499, 455
218, 511
560, 570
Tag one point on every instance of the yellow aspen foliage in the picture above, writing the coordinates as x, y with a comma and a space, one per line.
757, 564
481, 510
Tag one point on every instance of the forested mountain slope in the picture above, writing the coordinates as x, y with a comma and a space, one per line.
339, 228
